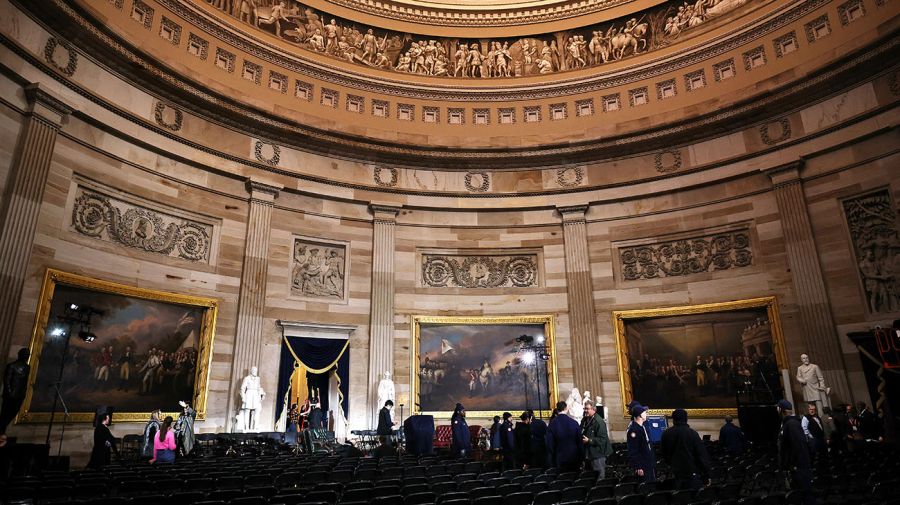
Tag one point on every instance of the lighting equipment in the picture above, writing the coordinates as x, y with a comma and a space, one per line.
532, 351
87, 336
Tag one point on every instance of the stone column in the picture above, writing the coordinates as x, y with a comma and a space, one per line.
381, 326
248, 333
21, 203
820, 337
580, 294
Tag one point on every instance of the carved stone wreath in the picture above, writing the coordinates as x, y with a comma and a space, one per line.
50, 51
140, 228
480, 271
276, 153
686, 257
567, 182
160, 120
676, 161
485, 182
785, 132
395, 175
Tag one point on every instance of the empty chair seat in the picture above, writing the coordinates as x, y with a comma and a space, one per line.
351, 495
187, 497
547, 498
574, 494
441, 488
496, 482
379, 491
488, 500
264, 491
106, 501
536, 487
632, 499
288, 480
456, 502
424, 498
482, 491
507, 489
457, 496
167, 486
511, 474
414, 471
624, 488
463, 477
658, 498
249, 500
409, 489
287, 499
87, 491
603, 501
682, 497
233, 482
51, 494
474, 467
225, 495
322, 495
519, 498
469, 485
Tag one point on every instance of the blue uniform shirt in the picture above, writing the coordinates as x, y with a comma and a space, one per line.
640, 452
507, 438
462, 439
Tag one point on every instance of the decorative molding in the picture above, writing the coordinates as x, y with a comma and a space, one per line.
36, 93
72, 57
695, 255
570, 177
673, 167
320, 269
159, 116
875, 238
573, 213
384, 213
845, 8
202, 44
276, 153
116, 220
894, 83
173, 27
479, 271
478, 187
259, 189
146, 12
783, 124
377, 175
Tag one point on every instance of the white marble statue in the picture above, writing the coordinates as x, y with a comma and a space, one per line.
252, 395
575, 405
812, 380
599, 400
385, 391
586, 398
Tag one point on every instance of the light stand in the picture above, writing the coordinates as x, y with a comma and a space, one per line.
73, 315
532, 352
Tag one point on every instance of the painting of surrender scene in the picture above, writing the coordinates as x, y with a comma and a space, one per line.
700, 357
145, 354
481, 363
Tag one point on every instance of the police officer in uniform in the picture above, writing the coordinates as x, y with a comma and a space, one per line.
462, 439
641, 456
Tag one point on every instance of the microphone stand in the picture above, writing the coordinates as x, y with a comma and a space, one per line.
62, 434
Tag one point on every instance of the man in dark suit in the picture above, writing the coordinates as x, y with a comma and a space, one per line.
682, 448
508, 442
15, 384
641, 456
564, 440
538, 445
461, 443
793, 452
732, 438
865, 420
385, 424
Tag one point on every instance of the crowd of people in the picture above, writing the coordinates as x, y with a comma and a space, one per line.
123, 369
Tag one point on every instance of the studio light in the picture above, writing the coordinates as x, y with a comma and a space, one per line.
528, 358
58, 332
87, 336
73, 306
545, 356
539, 339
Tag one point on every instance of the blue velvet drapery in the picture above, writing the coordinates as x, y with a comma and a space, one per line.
318, 356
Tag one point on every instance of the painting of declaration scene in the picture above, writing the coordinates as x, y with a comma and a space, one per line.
144, 355
701, 361
588, 46
872, 221
319, 270
482, 367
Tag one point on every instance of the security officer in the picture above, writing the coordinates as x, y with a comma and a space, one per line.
508, 442
462, 439
640, 453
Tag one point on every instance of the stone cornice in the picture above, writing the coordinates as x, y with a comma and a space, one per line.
263, 192
384, 213
573, 213
786, 174
44, 104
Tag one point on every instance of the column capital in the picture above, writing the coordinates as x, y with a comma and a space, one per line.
783, 175
573, 213
263, 192
44, 103
384, 213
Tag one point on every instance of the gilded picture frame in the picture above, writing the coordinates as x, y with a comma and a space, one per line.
717, 323
491, 340
126, 318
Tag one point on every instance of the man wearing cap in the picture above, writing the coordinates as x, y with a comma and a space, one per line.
793, 452
596, 440
564, 441
523, 440
461, 443
640, 453
684, 451
508, 442
632, 404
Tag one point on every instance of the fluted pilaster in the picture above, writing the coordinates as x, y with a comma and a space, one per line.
582, 317
252, 294
381, 327
820, 337
22, 201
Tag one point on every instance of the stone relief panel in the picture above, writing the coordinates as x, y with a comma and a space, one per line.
588, 46
114, 219
687, 256
458, 270
872, 221
319, 269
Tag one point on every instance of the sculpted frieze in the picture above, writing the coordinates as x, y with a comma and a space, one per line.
319, 269
115, 220
872, 221
461, 58
479, 271
676, 258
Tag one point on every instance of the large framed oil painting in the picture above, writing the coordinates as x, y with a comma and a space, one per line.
700, 357
489, 364
108, 344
